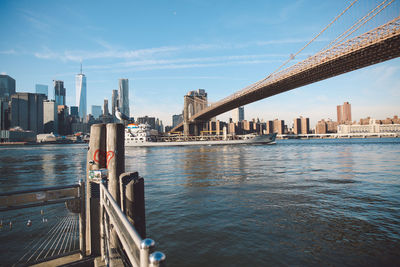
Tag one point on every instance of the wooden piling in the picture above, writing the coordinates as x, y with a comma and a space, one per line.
96, 159
82, 220
115, 165
115, 157
133, 203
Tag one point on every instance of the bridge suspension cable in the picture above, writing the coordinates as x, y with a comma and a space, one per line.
358, 24
292, 56
313, 39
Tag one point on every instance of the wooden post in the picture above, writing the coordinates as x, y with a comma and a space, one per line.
135, 203
124, 179
115, 165
82, 220
96, 159
115, 157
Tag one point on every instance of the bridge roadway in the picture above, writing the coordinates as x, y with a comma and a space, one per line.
375, 46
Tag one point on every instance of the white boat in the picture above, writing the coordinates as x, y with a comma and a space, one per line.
141, 136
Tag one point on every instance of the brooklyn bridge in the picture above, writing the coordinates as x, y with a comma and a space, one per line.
350, 50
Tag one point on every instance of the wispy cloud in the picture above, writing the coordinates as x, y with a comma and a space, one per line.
110, 52
78, 55
8, 52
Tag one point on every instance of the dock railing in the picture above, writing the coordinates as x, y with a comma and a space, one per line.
58, 242
135, 250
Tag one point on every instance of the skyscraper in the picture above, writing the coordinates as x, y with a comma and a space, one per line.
123, 100
176, 119
96, 111
74, 111
305, 125
7, 86
238, 114
27, 111
279, 126
114, 101
50, 117
344, 113
105, 107
42, 89
297, 126
80, 85
59, 92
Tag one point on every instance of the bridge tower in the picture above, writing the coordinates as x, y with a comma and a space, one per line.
194, 102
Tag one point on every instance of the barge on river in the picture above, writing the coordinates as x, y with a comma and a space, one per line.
141, 136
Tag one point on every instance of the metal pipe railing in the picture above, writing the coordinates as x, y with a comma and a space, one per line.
137, 249
44, 196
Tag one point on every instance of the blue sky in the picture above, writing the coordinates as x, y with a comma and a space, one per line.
166, 48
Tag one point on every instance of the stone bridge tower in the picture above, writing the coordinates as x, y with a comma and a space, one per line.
194, 101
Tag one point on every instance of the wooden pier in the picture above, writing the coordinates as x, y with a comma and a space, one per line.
112, 223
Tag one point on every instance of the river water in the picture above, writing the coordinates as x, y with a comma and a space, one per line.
299, 202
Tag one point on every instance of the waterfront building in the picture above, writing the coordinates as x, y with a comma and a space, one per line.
365, 121
394, 120
297, 126
238, 114
301, 125
123, 97
215, 127
114, 102
269, 127
7, 87
305, 125
74, 111
62, 113
81, 102
344, 113
331, 126
59, 92
279, 126
232, 128
96, 111
4, 114
42, 89
372, 127
17, 135
50, 116
27, 111
321, 127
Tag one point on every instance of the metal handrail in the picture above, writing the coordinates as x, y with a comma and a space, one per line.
130, 239
35, 190
47, 196
39, 197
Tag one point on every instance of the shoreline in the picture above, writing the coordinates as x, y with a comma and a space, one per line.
38, 144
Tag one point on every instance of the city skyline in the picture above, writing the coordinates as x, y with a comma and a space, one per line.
184, 51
